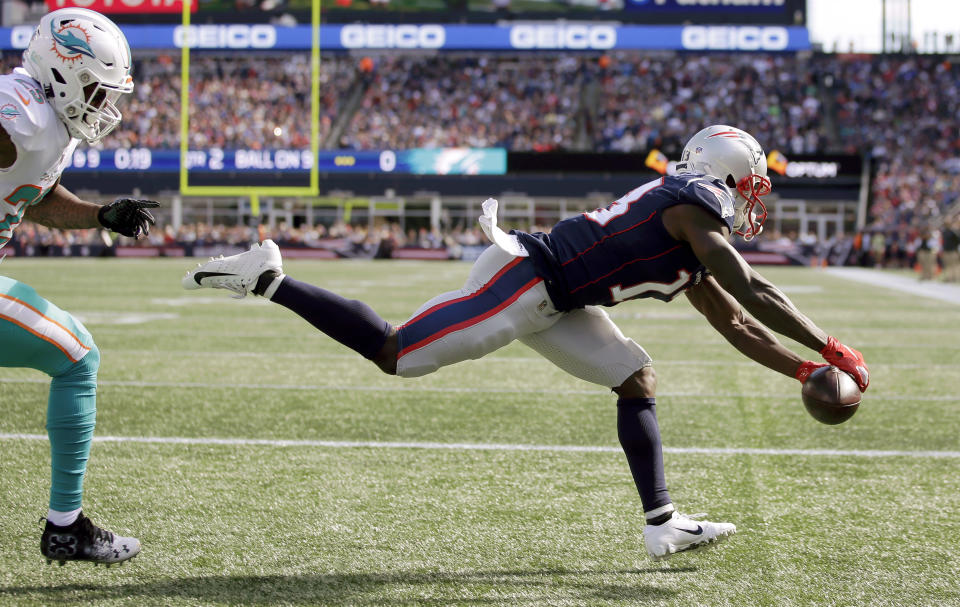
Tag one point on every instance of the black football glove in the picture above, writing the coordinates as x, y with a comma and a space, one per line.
128, 216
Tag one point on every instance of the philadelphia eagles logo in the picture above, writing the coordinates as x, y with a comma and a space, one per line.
71, 42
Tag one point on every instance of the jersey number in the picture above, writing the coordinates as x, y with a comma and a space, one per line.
618, 293
616, 209
29, 194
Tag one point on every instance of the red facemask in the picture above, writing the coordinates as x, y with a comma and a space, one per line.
752, 187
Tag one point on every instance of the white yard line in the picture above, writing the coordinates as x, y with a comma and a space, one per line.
511, 360
934, 290
175, 440
453, 390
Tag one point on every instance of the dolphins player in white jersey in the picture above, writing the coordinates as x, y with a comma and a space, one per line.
75, 70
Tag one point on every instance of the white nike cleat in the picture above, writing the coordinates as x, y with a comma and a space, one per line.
237, 273
682, 533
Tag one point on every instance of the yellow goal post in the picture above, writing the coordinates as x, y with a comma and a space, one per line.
253, 192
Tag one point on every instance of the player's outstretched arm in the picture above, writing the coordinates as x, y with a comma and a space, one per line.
742, 331
8, 149
63, 210
707, 238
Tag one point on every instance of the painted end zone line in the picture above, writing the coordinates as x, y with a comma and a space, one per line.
490, 447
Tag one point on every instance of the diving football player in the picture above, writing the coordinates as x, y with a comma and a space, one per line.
666, 237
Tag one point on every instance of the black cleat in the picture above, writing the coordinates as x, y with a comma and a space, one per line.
84, 541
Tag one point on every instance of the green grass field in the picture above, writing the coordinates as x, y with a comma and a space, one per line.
286, 512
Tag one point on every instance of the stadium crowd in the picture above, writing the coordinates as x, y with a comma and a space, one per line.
904, 113
626, 101
250, 103
517, 102
645, 101
901, 111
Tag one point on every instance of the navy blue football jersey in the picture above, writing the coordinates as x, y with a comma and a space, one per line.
623, 251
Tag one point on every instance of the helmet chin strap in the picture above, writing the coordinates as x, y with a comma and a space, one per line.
751, 188
753, 223
752, 232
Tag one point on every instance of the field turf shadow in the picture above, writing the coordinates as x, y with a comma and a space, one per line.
531, 587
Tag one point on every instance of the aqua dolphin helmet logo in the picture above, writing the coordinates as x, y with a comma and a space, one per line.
68, 45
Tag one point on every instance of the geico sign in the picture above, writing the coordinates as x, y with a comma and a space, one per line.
393, 36
734, 38
563, 36
226, 36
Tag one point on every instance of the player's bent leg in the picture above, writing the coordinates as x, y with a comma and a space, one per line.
386, 357
348, 321
37, 334
667, 531
588, 345
502, 300
260, 271
71, 418
641, 384
639, 435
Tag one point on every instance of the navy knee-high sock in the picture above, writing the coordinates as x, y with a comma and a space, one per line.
350, 322
640, 438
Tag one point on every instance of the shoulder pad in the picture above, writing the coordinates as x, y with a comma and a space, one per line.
27, 120
712, 194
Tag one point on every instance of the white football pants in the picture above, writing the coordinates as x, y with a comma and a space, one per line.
503, 300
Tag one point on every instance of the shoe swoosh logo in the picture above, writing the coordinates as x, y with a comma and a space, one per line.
201, 275
25, 100
697, 531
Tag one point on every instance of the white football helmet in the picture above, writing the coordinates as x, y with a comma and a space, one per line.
734, 157
83, 62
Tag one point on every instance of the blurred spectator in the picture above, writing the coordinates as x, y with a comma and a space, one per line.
927, 246
902, 111
656, 100
518, 102
250, 102
951, 251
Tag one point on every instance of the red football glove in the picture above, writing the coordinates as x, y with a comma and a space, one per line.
847, 359
804, 370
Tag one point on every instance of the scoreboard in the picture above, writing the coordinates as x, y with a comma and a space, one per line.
420, 161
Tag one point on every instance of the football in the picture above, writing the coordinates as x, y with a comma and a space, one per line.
830, 395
